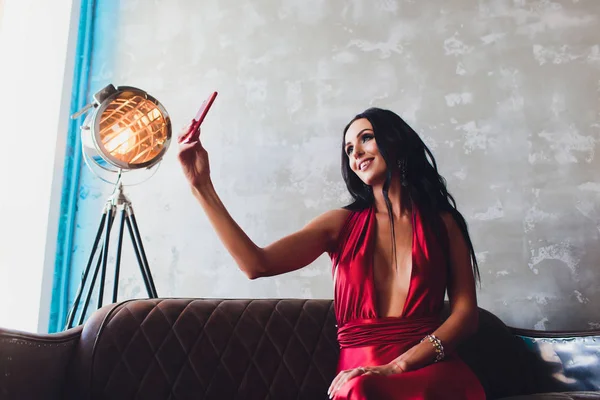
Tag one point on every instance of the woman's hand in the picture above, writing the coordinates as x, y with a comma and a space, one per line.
345, 376
194, 160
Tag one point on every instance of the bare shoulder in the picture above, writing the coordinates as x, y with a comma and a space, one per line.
455, 234
331, 224
332, 219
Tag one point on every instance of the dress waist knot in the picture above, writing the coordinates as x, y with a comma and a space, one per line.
387, 330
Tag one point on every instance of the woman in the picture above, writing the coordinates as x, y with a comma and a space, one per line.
395, 251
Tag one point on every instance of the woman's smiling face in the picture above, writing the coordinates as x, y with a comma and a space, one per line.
364, 157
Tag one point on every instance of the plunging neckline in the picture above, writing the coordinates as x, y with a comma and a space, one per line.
374, 299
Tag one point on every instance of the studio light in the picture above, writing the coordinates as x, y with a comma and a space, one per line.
126, 130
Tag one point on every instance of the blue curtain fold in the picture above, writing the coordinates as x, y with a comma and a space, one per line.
72, 168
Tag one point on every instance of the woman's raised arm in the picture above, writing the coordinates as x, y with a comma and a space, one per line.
287, 254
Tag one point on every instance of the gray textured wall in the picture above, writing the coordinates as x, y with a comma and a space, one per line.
506, 93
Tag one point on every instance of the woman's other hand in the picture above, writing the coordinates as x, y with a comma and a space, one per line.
194, 160
345, 376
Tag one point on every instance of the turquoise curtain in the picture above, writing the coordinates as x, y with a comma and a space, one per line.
72, 168
97, 31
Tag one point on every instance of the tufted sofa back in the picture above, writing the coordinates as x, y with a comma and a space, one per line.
210, 349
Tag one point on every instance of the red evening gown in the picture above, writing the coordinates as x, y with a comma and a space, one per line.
367, 339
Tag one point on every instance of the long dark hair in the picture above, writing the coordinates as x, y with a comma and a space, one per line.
422, 185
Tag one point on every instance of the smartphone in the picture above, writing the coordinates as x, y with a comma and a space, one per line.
194, 132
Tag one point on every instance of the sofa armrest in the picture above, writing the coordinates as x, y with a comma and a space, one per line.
34, 366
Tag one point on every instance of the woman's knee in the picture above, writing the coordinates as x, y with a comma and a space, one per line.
366, 387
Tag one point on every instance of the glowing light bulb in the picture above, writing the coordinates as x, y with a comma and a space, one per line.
122, 142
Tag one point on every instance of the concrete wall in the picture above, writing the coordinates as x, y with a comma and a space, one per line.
506, 93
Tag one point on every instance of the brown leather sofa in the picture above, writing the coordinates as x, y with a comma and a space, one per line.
259, 349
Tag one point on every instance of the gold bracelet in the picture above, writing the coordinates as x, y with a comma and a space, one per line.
437, 344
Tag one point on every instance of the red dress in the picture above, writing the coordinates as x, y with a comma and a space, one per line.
369, 340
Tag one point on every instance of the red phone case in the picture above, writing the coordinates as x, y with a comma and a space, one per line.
194, 131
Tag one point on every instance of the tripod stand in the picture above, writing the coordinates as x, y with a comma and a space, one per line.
115, 201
